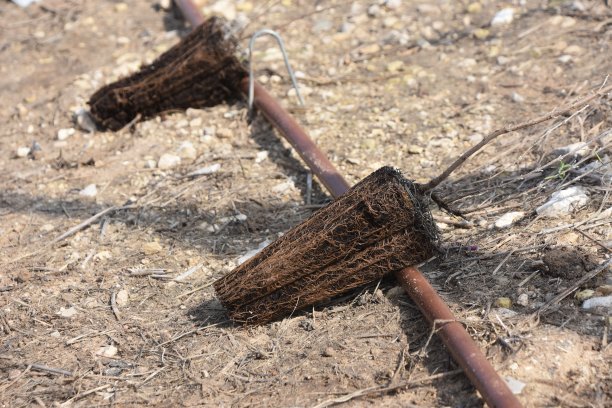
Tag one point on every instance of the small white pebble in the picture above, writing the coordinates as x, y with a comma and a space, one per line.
67, 312
261, 156
122, 297
89, 191
503, 17
515, 385
64, 134
517, 98
167, 161
107, 351
508, 219
23, 151
600, 301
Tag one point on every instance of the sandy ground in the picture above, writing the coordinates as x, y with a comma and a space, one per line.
99, 318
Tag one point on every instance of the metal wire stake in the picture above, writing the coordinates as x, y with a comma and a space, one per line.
281, 45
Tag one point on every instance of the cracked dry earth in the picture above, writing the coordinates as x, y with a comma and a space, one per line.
410, 84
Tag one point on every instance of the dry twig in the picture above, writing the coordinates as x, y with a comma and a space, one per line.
555, 113
379, 390
113, 302
574, 286
88, 222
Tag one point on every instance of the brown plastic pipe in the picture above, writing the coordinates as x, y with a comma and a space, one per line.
456, 339
481, 373
299, 139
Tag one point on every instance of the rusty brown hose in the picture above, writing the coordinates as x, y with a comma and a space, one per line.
303, 144
461, 346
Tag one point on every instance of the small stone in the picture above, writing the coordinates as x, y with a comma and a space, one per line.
67, 313
13, 374
395, 37
322, 25
565, 59
208, 227
64, 134
112, 372
503, 313
501, 60
225, 8
346, 27
107, 351
563, 202
304, 91
508, 219
517, 98
578, 6
187, 151
442, 226
395, 66
209, 131
119, 7
568, 22
585, 294
122, 297
515, 385
203, 171
475, 139
481, 33
415, 149
150, 164
503, 17
195, 123
238, 217
90, 191
369, 144
84, 120
328, 352
283, 187
55, 334
523, 300
393, 4
494, 51
165, 4
604, 290
103, 256
167, 161
245, 6
438, 26
183, 123
307, 325
430, 9
261, 156
151, 248
23, 151
596, 302
503, 302
224, 133
474, 8
47, 228
374, 10
369, 49
441, 142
